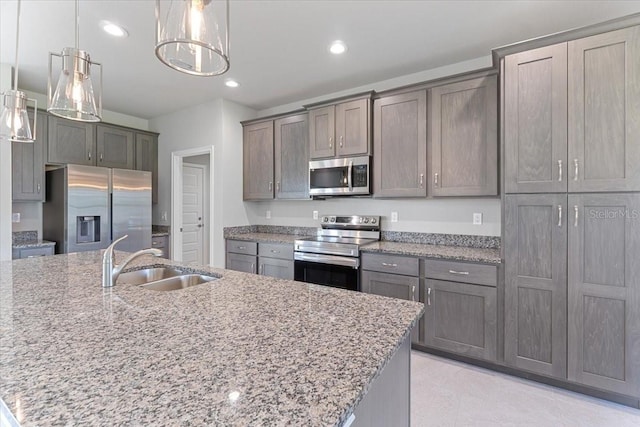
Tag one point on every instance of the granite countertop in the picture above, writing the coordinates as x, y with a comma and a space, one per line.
159, 233
27, 244
241, 350
266, 237
455, 253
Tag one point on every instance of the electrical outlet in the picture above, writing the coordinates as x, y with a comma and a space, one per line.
15, 217
394, 216
477, 219
164, 215
315, 214
268, 215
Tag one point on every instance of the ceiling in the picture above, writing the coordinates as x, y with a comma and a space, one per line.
279, 48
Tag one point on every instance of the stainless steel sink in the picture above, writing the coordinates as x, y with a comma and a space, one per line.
177, 282
139, 277
163, 278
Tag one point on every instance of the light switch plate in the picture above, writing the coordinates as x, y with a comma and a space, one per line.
15, 217
268, 215
477, 219
394, 216
315, 214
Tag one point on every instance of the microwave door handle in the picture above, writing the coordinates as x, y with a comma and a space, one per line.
349, 178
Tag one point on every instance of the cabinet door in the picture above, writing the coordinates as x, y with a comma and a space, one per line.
352, 127
394, 286
400, 145
535, 249
292, 157
464, 138
258, 161
461, 318
27, 164
272, 267
71, 142
322, 130
241, 262
604, 112
147, 159
162, 243
115, 147
535, 121
604, 291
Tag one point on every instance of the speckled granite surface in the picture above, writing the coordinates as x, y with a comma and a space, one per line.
265, 237
486, 242
233, 232
241, 350
24, 236
160, 230
33, 244
455, 253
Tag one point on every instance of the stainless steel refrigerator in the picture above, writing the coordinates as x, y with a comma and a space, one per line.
88, 207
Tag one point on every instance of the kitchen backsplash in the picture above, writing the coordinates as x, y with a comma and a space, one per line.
24, 236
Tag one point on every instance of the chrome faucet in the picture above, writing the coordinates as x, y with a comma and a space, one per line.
111, 271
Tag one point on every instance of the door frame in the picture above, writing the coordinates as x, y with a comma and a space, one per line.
205, 203
176, 195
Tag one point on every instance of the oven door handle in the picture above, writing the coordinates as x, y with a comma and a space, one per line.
349, 178
328, 259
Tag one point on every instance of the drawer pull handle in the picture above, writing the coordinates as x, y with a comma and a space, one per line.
273, 251
35, 256
464, 273
575, 172
261, 268
560, 170
386, 264
253, 267
413, 293
155, 243
242, 248
559, 215
429, 296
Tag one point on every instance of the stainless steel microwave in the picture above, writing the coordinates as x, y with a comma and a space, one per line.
348, 176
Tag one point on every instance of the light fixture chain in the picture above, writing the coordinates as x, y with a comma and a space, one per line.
15, 74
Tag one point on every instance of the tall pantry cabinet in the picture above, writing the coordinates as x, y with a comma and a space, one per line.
572, 210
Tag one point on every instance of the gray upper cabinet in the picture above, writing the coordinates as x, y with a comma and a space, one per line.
146, 146
535, 121
604, 112
463, 138
71, 142
27, 164
535, 248
352, 127
461, 318
258, 161
292, 157
114, 147
604, 291
400, 145
340, 130
322, 129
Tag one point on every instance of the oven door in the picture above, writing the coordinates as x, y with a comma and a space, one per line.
328, 270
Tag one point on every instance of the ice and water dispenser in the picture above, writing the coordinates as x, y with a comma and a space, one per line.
87, 229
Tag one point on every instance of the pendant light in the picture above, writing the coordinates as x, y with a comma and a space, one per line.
14, 121
74, 96
192, 36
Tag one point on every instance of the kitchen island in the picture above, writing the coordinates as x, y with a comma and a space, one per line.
240, 350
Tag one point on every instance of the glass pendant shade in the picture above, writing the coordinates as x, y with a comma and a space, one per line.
14, 120
192, 36
74, 97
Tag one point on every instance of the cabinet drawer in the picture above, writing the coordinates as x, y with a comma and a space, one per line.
35, 252
390, 264
242, 247
276, 250
479, 274
159, 242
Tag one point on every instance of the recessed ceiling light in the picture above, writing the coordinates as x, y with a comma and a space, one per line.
231, 83
114, 29
338, 47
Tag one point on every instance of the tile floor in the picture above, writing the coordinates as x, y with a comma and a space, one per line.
449, 393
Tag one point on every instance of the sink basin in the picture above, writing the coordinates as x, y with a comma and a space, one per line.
139, 277
177, 282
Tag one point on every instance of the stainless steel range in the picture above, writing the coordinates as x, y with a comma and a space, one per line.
332, 257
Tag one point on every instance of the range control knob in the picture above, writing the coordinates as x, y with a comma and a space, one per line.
325, 219
366, 220
373, 220
333, 219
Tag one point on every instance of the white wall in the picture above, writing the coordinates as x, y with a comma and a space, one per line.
5, 178
449, 215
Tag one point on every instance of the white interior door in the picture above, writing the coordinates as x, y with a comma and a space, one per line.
192, 213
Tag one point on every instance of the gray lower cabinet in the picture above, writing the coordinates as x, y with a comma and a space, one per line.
535, 121
604, 291
292, 157
461, 318
535, 248
276, 260
258, 161
162, 243
394, 286
114, 147
463, 129
21, 253
240, 262
604, 111
400, 145
27, 164
146, 145
71, 141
